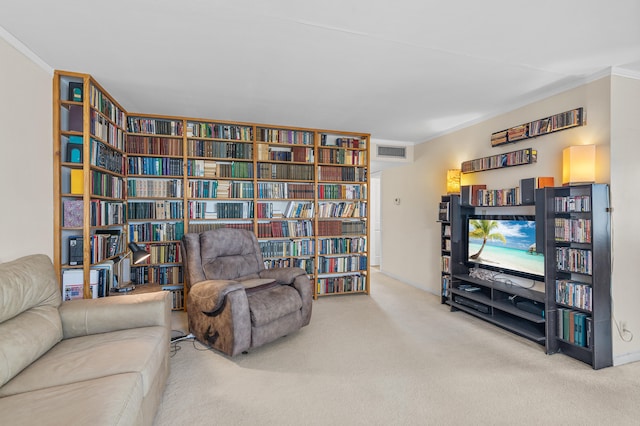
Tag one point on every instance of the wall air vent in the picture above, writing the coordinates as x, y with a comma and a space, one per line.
392, 151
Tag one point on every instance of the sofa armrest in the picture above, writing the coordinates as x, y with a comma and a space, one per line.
92, 316
282, 275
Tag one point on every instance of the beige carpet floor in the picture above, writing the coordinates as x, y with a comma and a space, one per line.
396, 357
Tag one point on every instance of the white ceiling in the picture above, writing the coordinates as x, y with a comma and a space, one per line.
402, 70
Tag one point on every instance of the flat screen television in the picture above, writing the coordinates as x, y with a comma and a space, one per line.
505, 244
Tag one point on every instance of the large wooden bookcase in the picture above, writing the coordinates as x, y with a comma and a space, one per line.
304, 192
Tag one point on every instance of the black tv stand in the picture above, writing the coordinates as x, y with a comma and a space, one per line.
493, 303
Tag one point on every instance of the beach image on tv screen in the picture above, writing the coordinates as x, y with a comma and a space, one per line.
508, 245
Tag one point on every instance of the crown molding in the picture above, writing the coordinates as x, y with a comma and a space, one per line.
624, 72
20, 47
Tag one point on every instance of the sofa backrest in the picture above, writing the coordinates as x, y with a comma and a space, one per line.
224, 253
29, 319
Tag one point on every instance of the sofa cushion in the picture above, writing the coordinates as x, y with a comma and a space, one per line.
139, 350
113, 400
271, 304
29, 320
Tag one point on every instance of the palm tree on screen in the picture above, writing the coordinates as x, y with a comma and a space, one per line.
484, 229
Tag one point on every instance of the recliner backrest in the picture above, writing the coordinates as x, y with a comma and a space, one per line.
224, 253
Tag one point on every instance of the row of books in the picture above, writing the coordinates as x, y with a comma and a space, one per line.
283, 190
199, 148
556, 122
161, 188
443, 210
347, 174
327, 191
445, 264
222, 189
277, 248
153, 145
342, 209
104, 243
325, 140
346, 284
220, 210
342, 245
293, 209
154, 126
220, 131
103, 156
157, 274
234, 169
290, 228
103, 184
298, 154
177, 299
573, 230
307, 264
285, 136
207, 226
572, 293
574, 260
539, 127
155, 166
158, 209
104, 129
103, 213
207, 188
102, 103
165, 231
575, 327
329, 228
514, 158
342, 156
202, 168
163, 253
329, 265
285, 171
572, 203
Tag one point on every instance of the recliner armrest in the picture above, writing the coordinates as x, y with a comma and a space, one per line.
212, 293
92, 316
282, 275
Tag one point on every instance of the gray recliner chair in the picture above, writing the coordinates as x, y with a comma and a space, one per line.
234, 303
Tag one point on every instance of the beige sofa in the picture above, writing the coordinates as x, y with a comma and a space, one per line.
83, 362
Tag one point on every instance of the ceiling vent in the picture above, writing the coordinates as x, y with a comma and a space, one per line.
392, 151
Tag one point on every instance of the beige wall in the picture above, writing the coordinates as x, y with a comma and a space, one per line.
613, 107
411, 225
625, 176
26, 156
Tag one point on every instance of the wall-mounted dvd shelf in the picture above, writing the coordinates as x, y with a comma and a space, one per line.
507, 159
564, 120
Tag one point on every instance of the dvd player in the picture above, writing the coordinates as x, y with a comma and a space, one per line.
471, 304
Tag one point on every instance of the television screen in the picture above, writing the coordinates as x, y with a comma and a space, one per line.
505, 244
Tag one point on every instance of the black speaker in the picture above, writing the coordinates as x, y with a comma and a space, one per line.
528, 191
75, 251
